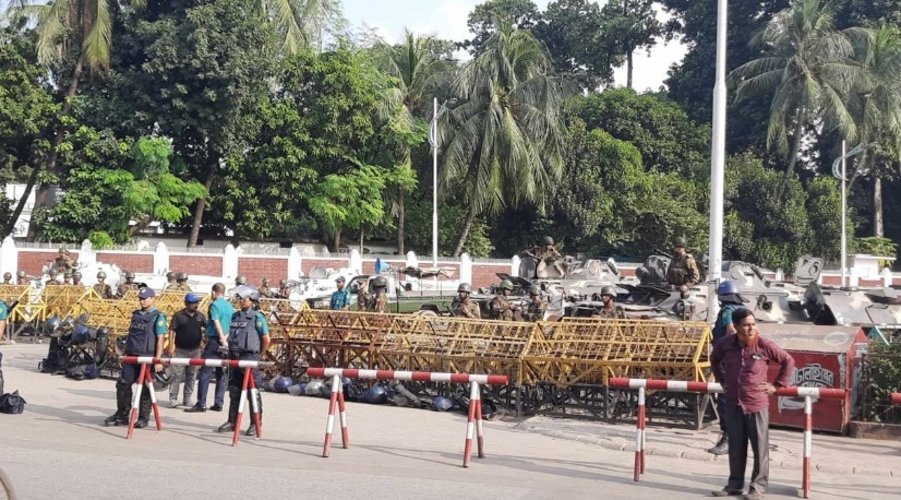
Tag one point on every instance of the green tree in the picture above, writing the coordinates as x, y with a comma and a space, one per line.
349, 200
503, 144
301, 24
488, 16
418, 66
668, 140
27, 108
808, 67
630, 25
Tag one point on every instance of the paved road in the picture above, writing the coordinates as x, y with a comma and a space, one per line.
58, 449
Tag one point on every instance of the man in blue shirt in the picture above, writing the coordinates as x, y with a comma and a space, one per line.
145, 338
341, 298
218, 324
4, 316
248, 339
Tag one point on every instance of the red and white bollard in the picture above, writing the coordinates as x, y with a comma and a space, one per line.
336, 399
640, 426
249, 383
473, 424
145, 379
808, 444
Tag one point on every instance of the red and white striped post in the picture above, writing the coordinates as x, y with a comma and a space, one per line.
808, 393
474, 422
336, 399
145, 379
250, 384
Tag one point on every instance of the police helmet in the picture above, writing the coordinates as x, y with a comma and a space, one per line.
241, 280
608, 290
296, 389
313, 387
282, 384
7, 276
464, 287
376, 395
248, 292
170, 276
161, 381
380, 282
79, 334
52, 324
680, 242
441, 403
506, 285
129, 275
727, 287
91, 372
548, 240
534, 290
101, 275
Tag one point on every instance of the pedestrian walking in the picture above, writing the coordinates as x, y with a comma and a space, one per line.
219, 319
146, 335
740, 363
185, 335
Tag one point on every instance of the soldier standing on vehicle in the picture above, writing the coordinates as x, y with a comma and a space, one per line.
379, 303
500, 307
170, 282
102, 289
547, 253
364, 298
340, 300
64, 262
683, 272
537, 306
608, 310
464, 307
129, 284
7, 278
181, 282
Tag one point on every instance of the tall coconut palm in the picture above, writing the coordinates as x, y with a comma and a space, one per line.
808, 67
504, 142
302, 23
418, 67
876, 109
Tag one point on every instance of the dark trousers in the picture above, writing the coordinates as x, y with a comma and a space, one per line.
211, 352
128, 375
743, 429
236, 382
721, 411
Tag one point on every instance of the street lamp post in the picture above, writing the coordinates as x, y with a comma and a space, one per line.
842, 174
717, 162
433, 140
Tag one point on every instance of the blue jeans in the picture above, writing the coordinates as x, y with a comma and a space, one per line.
211, 352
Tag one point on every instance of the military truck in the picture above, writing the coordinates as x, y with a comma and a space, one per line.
400, 300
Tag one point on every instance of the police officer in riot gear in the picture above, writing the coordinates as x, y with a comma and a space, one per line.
248, 338
145, 338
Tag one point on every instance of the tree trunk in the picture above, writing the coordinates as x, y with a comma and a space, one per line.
42, 198
877, 207
470, 218
336, 241
629, 68
11, 223
201, 206
796, 148
400, 222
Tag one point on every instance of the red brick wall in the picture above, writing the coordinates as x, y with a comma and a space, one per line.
196, 264
257, 268
307, 265
33, 262
832, 280
866, 282
484, 275
134, 262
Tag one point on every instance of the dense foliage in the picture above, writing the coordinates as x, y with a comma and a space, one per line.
263, 119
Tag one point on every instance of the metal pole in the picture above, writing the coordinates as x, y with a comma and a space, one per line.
717, 162
435, 183
844, 250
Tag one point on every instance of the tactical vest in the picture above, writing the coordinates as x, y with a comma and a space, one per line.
141, 340
243, 336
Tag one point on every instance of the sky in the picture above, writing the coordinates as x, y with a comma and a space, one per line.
447, 19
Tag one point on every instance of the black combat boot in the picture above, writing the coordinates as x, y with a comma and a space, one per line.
143, 409
234, 398
252, 429
123, 401
722, 446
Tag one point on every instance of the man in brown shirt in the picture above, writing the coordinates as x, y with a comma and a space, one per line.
740, 363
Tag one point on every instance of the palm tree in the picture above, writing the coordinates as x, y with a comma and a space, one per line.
418, 67
505, 140
808, 67
876, 109
302, 23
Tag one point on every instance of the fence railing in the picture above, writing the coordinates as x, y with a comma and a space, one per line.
880, 376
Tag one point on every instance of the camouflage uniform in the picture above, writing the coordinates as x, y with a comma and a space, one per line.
364, 298
501, 308
467, 309
123, 288
8, 279
264, 289
612, 313
53, 281
535, 311
103, 290
683, 270
21, 278
380, 302
546, 252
